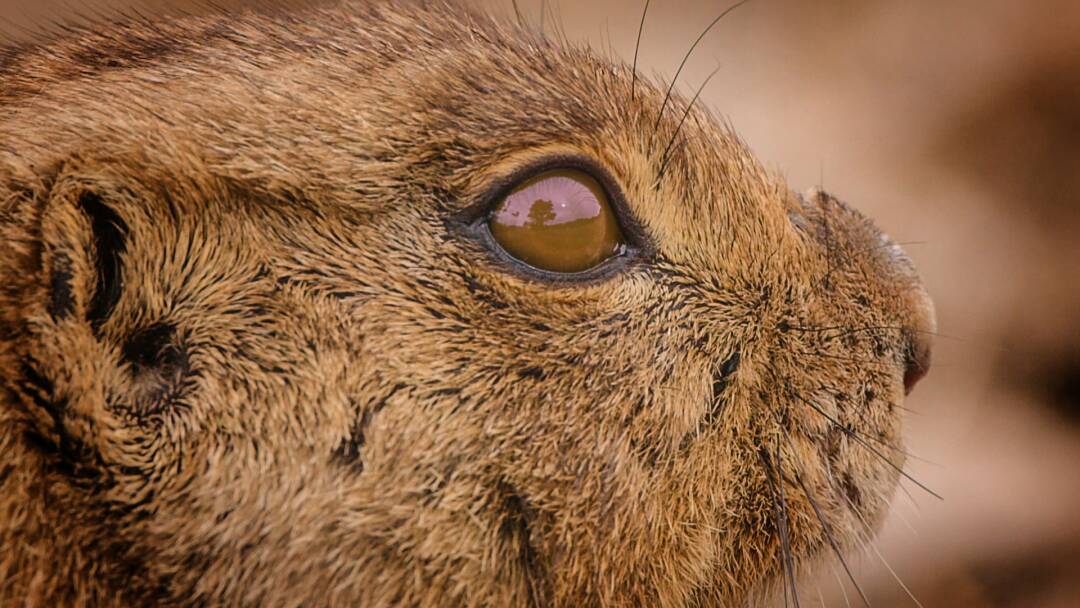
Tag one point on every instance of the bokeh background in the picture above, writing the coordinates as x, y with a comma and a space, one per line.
957, 126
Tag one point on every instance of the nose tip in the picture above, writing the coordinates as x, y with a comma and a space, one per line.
917, 364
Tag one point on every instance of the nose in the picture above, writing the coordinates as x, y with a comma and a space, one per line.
917, 363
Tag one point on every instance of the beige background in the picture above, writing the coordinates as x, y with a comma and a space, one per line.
957, 126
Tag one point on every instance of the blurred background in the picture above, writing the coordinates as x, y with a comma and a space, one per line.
956, 125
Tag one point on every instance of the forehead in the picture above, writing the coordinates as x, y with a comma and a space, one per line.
432, 95
518, 98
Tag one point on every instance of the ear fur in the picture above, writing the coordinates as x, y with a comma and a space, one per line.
62, 267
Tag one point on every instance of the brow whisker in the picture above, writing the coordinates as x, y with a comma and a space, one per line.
678, 72
517, 13
637, 47
664, 159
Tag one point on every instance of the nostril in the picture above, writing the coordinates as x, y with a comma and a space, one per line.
918, 360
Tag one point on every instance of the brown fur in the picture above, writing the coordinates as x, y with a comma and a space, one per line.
248, 358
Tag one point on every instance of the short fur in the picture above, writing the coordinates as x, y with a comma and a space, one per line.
248, 356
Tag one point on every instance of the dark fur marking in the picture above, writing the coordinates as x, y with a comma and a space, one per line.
535, 373
852, 492
71, 456
61, 300
515, 530
109, 240
153, 347
720, 383
349, 452
88, 55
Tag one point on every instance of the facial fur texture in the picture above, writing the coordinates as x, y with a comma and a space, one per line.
250, 356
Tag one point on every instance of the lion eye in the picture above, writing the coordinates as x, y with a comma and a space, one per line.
559, 221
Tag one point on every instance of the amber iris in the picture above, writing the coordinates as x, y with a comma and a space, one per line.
558, 221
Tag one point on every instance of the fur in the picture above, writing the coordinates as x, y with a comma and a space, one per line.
247, 356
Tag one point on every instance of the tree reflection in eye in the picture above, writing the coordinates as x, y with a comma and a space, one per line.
560, 221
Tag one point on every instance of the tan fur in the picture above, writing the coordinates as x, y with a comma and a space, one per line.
248, 358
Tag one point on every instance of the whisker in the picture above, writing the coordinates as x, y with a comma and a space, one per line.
846, 429
517, 13
851, 433
904, 520
869, 543
848, 330
851, 330
637, 47
840, 582
787, 513
671, 86
829, 536
664, 159
888, 245
895, 576
780, 516
824, 526
865, 362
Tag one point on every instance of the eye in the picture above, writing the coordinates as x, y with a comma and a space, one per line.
559, 221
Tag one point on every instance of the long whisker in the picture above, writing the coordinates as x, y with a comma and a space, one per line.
517, 13
825, 527
780, 516
821, 519
637, 47
840, 583
869, 533
851, 433
664, 157
871, 363
846, 429
675, 79
895, 576
851, 330
829, 536
787, 523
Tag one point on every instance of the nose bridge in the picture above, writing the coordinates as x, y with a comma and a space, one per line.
867, 264
848, 238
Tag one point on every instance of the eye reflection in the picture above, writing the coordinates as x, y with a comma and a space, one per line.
558, 221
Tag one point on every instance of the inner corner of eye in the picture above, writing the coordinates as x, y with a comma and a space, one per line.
560, 221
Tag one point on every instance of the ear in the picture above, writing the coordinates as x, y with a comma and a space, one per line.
63, 270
